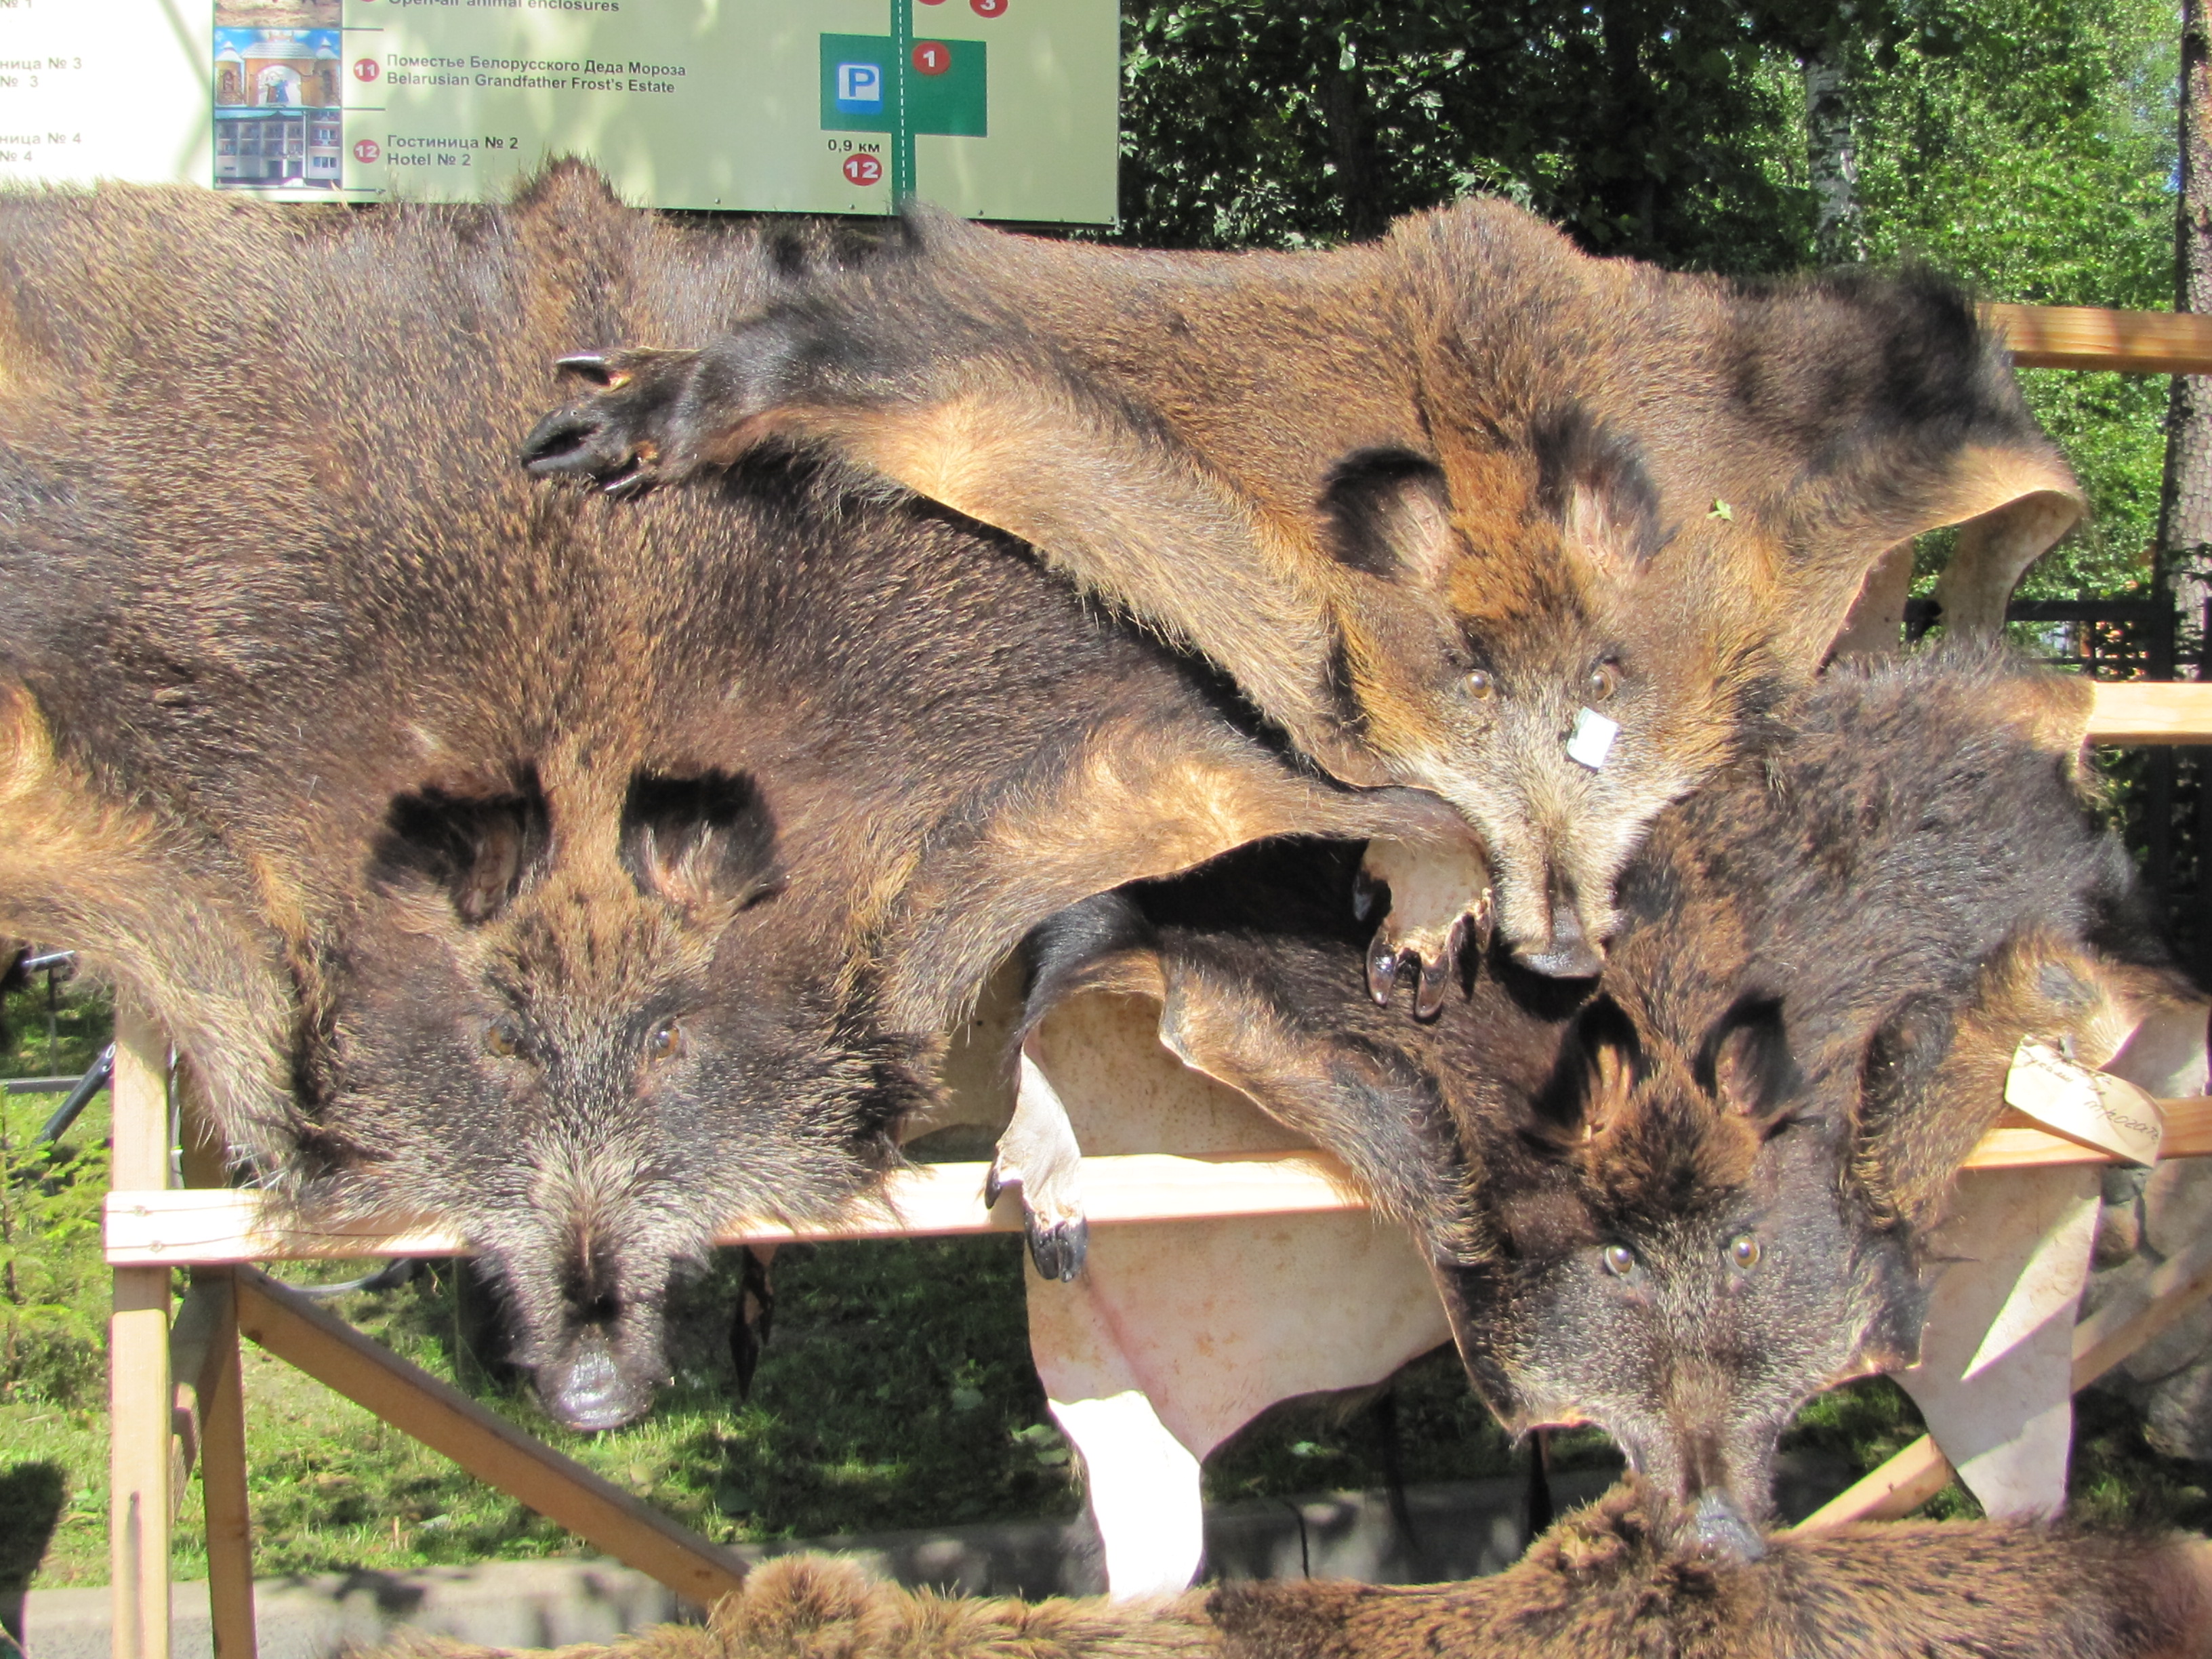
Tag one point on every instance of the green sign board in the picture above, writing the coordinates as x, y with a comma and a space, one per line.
996, 109
945, 86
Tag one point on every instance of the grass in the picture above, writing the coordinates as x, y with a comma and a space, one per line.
895, 1391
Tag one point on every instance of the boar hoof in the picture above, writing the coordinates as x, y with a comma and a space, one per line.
1057, 1235
588, 366
1439, 898
1057, 1247
579, 442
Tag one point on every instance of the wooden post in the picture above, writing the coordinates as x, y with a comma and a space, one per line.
222, 1478
218, 1406
138, 1390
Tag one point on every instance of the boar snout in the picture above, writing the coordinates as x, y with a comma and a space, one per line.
1566, 950
1719, 1528
591, 1387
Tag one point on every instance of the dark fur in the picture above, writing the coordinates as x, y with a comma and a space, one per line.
1828, 956
1600, 1585
1354, 478
584, 874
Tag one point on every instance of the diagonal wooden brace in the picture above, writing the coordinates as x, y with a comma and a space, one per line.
296, 1331
2101, 1341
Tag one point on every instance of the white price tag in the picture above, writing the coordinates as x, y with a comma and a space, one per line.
2096, 1106
1593, 737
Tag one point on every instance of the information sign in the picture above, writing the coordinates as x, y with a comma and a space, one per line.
996, 109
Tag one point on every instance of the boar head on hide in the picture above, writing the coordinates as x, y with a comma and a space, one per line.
582, 875
1678, 1204
1426, 501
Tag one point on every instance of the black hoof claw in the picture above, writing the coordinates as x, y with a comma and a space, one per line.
565, 442
1381, 970
1058, 1247
588, 366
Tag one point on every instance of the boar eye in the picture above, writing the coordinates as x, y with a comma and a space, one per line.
1743, 1250
1481, 684
503, 1038
666, 1043
1604, 681
1619, 1261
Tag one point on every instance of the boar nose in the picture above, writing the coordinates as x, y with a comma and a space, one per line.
587, 1389
1568, 953
1717, 1524
1721, 1529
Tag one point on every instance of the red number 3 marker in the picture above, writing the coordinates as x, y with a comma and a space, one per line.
863, 170
988, 8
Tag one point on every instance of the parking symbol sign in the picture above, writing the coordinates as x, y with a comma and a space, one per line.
859, 88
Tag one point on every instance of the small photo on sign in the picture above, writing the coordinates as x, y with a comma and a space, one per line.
277, 14
278, 124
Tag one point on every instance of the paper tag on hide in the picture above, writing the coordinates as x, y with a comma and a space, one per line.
1593, 737
2096, 1106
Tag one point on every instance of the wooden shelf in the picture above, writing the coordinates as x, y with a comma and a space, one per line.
2141, 712
2083, 337
222, 1227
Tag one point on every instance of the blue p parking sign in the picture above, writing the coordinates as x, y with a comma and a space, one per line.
859, 88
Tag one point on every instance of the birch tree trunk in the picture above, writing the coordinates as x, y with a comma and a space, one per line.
2184, 519
1837, 233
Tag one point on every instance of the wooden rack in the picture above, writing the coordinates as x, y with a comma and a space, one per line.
174, 1390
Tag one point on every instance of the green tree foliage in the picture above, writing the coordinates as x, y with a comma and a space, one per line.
1649, 129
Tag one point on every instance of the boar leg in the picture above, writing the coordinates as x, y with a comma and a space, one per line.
986, 422
1039, 1154
1440, 896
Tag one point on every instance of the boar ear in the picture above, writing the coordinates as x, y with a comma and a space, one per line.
700, 840
480, 851
1590, 1090
1745, 1061
1592, 480
1387, 512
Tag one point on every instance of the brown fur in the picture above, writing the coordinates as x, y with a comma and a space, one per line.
1828, 957
1598, 1586
1353, 479
583, 874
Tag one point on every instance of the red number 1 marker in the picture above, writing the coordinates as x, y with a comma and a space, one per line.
931, 56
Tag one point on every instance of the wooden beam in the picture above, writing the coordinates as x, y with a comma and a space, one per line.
222, 1405
935, 1200
296, 1331
2084, 337
2151, 712
2101, 1341
1896, 1488
932, 1200
139, 1399
193, 1334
